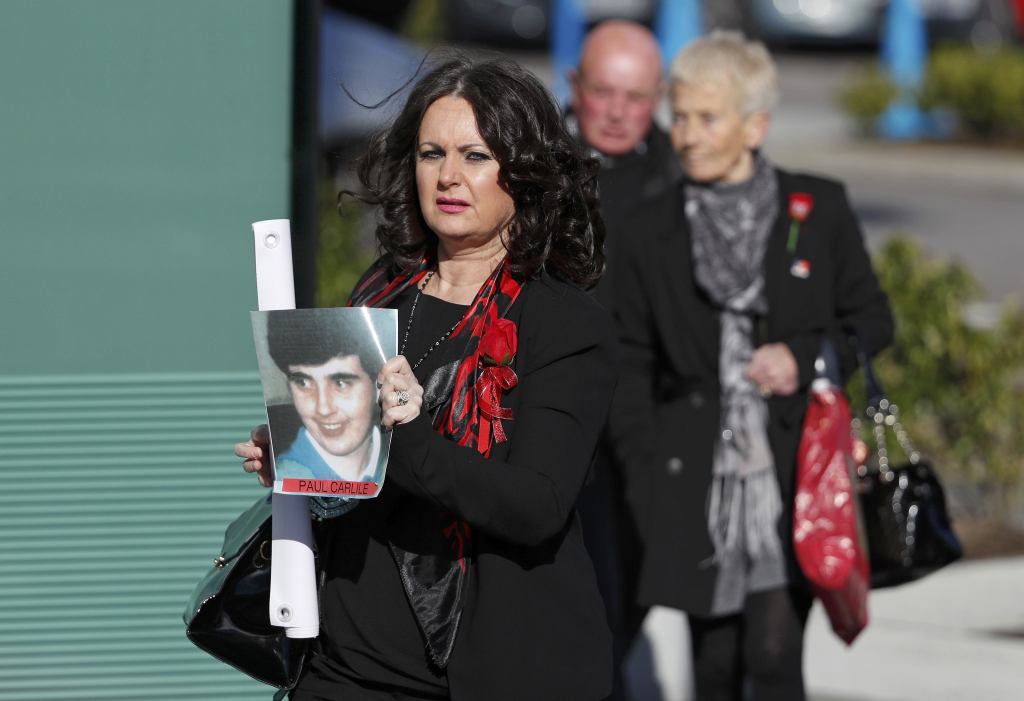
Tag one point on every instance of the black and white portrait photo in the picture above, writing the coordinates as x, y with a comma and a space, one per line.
319, 369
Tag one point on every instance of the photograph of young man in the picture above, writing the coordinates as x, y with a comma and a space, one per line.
330, 369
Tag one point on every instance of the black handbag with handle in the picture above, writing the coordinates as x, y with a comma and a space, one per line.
228, 612
908, 527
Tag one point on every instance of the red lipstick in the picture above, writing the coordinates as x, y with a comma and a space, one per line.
452, 205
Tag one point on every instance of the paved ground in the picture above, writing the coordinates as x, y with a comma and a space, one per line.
957, 635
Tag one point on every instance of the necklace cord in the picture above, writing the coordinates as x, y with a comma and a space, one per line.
412, 316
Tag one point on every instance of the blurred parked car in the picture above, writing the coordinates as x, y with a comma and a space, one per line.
813, 21
384, 13
524, 23
860, 22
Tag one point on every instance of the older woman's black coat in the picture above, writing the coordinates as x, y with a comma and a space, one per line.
665, 418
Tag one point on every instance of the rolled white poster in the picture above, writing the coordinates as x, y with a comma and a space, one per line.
293, 600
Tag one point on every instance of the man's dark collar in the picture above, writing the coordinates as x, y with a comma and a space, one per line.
639, 150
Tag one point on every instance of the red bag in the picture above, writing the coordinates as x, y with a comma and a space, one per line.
826, 535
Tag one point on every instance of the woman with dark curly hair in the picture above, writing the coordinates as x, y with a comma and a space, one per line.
467, 577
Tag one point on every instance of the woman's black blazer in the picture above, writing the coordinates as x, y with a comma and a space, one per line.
666, 416
533, 626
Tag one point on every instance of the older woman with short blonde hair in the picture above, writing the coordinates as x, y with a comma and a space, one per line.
727, 58
731, 286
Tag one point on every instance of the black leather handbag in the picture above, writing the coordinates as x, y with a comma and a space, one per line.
908, 528
228, 613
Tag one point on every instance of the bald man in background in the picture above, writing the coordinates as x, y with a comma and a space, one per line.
615, 91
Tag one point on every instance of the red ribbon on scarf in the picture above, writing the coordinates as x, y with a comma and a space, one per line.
494, 380
497, 349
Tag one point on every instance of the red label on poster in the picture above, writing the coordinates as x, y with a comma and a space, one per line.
341, 488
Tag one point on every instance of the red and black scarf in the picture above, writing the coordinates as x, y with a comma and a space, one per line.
436, 582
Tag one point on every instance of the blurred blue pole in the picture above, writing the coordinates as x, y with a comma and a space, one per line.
568, 26
677, 24
904, 55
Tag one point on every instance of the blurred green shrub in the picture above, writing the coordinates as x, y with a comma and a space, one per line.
342, 258
423, 22
984, 90
961, 388
866, 96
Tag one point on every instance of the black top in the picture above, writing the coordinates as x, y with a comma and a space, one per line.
370, 635
533, 625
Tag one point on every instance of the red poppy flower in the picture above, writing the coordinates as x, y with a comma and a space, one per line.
800, 206
499, 343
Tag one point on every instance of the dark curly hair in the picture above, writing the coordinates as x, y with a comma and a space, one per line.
556, 226
315, 336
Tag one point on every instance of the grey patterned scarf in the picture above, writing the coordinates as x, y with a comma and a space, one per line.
730, 226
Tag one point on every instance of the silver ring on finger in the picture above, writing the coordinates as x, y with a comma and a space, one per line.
403, 397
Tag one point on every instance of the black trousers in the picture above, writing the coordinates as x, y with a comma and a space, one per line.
758, 652
613, 543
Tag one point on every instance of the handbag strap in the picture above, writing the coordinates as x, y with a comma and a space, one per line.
826, 365
882, 414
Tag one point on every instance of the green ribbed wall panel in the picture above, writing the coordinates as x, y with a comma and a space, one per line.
138, 141
99, 555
